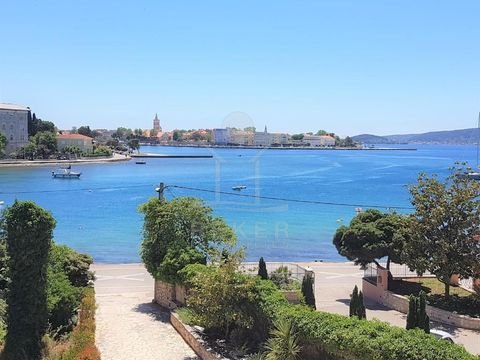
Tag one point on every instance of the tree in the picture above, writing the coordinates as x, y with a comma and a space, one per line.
308, 291
356, 307
262, 269
221, 297
353, 301
30, 150
3, 143
183, 222
134, 144
444, 226
46, 143
348, 142
177, 135
297, 136
85, 130
417, 316
29, 231
372, 235
321, 133
153, 133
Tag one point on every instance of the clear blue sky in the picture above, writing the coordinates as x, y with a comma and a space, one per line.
350, 67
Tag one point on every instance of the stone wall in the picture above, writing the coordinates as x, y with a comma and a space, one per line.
164, 294
191, 339
400, 303
169, 295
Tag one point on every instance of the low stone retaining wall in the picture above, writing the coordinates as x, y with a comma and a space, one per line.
400, 303
191, 339
169, 295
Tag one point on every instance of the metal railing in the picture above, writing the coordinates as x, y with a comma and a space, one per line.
295, 271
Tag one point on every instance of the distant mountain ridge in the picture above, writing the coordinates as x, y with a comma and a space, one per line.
463, 136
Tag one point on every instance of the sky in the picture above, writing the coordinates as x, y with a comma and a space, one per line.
349, 67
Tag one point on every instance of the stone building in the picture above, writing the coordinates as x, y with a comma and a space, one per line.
156, 124
319, 140
84, 143
14, 125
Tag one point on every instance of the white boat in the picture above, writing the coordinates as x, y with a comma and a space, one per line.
239, 187
66, 173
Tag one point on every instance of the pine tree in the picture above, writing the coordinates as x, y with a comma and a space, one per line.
308, 291
354, 302
361, 312
412, 312
423, 319
262, 269
417, 316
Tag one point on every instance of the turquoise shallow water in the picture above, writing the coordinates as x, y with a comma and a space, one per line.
98, 213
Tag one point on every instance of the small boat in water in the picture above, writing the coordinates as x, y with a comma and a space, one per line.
65, 173
239, 187
140, 162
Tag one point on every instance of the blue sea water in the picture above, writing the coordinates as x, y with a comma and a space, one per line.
98, 213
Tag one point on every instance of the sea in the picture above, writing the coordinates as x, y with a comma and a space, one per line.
293, 202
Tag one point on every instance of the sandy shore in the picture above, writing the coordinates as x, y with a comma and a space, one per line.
22, 163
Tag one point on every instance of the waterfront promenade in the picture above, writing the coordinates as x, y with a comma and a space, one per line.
54, 162
129, 326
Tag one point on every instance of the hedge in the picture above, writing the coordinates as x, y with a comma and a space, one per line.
335, 337
344, 338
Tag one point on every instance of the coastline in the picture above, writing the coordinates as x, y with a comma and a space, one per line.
243, 147
28, 163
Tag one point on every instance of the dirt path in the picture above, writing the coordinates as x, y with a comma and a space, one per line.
129, 325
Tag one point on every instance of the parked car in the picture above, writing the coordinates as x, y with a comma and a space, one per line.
442, 335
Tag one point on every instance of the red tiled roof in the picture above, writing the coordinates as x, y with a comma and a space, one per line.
73, 136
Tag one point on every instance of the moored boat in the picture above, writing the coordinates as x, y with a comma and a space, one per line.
239, 187
66, 173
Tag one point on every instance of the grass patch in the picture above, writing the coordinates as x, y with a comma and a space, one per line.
461, 301
185, 315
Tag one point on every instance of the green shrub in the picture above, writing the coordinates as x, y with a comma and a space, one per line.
63, 300
282, 277
75, 265
283, 343
343, 337
308, 291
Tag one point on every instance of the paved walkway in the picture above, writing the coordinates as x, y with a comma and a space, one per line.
334, 283
129, 325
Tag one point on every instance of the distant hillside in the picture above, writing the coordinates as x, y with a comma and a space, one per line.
371, 139
464, 136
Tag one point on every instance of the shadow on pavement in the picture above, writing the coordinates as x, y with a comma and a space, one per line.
154, 311
344, 301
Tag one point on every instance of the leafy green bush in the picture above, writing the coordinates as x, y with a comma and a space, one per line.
176, 258
252, 305
74, 264
63, 300
68, 274
341, 337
